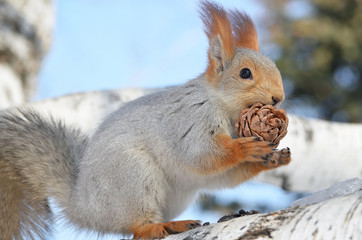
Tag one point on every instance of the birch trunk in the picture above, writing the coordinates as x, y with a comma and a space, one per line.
25, 36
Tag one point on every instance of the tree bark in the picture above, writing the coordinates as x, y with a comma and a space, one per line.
338, 218
25, 36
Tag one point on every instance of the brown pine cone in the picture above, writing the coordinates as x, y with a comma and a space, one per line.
263, 121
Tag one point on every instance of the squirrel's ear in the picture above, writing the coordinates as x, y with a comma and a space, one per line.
221, 40
244, 30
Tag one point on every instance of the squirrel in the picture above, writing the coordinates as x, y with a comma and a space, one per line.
147, 160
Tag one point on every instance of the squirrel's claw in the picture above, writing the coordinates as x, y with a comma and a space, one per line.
277, 158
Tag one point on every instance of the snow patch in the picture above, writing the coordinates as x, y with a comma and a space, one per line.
339, 189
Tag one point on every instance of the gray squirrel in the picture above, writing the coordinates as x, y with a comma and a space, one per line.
147, 160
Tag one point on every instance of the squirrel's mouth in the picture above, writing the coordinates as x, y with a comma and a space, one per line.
263, 104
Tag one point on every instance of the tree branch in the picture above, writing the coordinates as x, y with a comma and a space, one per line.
338, 218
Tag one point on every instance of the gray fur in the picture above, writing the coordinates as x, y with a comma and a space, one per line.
147, 148
38, 159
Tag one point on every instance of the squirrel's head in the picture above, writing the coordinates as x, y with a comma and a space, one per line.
237, 72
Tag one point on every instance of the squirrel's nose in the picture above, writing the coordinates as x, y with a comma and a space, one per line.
275, 100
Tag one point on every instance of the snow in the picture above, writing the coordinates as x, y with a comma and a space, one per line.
339, 189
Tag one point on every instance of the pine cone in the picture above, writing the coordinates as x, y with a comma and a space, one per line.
266, 122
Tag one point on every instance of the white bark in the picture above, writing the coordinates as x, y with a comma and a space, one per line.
338, 218
86, 110
25, 36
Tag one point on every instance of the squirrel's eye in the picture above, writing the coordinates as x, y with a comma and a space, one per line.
245, 73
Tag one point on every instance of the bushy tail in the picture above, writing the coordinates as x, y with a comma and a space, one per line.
38, 160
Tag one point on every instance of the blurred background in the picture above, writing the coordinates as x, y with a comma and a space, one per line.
111, 44
52, 48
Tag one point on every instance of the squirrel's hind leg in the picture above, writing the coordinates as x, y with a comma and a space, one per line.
160, 230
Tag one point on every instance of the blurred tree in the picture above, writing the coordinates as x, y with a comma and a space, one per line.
319, 45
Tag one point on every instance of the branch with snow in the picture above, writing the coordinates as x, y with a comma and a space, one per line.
315, 217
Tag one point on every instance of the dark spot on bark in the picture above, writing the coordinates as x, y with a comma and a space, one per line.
285, 182
258, 233
212, 132
204, 234
113, 97
299, 219
315, 232
188, 238
281, 218
308, 135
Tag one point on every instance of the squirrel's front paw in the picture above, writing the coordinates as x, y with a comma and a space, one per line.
277, 158
253, 149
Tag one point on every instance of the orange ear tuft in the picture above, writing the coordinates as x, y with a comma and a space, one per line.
244, 30
216, 22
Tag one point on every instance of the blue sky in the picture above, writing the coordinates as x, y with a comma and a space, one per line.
113, 44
